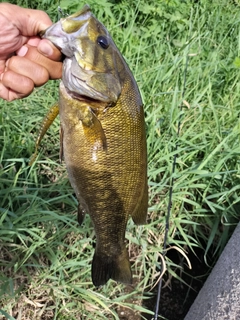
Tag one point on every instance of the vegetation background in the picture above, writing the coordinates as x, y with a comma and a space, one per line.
45, 257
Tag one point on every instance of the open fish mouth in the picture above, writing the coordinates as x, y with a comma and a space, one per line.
84, 75
85, 98
63, 33
78, 82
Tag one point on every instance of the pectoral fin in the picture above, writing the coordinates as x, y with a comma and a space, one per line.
46, 123
93, 130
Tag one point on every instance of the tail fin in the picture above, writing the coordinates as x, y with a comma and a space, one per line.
114, 267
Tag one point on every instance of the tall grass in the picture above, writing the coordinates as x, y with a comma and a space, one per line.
45, 257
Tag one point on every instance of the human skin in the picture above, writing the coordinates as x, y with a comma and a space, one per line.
26, 60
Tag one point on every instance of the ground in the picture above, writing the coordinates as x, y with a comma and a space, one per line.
177, 297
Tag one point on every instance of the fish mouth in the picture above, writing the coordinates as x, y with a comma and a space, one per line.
84, 98
80, 84
63, 32
80, 76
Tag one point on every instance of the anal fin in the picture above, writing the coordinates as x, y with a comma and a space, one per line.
81, 214
139, 215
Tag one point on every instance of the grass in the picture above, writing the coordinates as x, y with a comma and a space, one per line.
45, 257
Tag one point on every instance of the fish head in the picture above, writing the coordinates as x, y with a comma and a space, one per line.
92, 60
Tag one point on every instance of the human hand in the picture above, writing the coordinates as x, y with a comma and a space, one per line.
26, 61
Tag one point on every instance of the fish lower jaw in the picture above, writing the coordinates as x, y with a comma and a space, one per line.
78, 96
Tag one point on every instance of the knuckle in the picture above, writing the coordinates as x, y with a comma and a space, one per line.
41, 77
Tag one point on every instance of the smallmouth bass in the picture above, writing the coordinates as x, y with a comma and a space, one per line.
102, 138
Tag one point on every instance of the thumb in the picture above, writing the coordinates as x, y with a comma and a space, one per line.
33, 21
28, 21
46, 48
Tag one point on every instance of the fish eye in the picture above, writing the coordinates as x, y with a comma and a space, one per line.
103, 42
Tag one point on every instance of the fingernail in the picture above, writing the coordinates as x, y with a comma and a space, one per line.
22, 51
45, 48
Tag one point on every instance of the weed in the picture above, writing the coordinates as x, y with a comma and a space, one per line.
45, 256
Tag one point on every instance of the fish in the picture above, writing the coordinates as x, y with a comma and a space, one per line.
103, 138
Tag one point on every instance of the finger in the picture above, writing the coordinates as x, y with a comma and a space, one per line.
46, 48
30, 69
54, 68
15, 86
33, 41
2, 66
6, 93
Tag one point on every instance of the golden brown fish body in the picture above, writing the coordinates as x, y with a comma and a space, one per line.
103, 138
